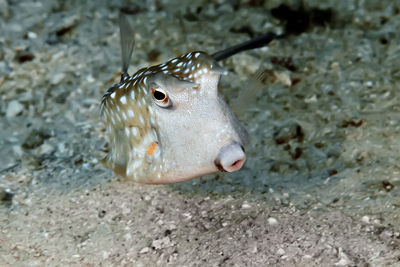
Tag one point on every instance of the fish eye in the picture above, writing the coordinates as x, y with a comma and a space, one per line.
161, 97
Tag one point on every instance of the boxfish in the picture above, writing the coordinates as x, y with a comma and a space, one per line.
168, 123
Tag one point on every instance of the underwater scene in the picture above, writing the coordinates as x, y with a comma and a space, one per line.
200, 133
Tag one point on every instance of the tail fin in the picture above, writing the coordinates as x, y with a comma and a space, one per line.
254, 43
127, 42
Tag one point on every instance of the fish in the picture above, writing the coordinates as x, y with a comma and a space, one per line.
168, 123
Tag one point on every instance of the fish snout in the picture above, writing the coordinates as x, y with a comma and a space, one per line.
230, 158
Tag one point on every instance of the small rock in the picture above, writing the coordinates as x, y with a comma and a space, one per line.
343, 259
32, 35
161, 243
311, 99
272, 221
57, 78
283, 78
14, 108
144, 250
105, 255
127, 236
365, 219
245, 206
280, 251
17, 149
45, 149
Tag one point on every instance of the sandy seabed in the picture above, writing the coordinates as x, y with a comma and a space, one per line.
321, 182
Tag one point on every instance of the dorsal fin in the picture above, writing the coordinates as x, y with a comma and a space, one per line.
254, 43
127, 42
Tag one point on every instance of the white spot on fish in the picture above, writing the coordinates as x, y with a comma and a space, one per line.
130, 113
197, 54
174, 60
133, 95
134, 131
113, 95
123, 100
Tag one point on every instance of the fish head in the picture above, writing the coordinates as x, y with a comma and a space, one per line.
168, 123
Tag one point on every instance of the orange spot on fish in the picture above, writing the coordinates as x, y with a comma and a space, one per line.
152, 147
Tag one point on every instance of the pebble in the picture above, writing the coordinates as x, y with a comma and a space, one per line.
272, 221
161, 243
144, 250
17, 149
32, 35
57, 78
45, 149
311, 99
14, 108
343, 259
127, 236
365, 219
280, 251
245, 206
105, 255
283, 78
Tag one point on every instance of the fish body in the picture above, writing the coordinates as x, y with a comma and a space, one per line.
167, 123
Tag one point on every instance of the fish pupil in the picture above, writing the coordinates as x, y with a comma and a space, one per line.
158, 95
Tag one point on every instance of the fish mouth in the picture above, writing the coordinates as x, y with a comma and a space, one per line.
231, 158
